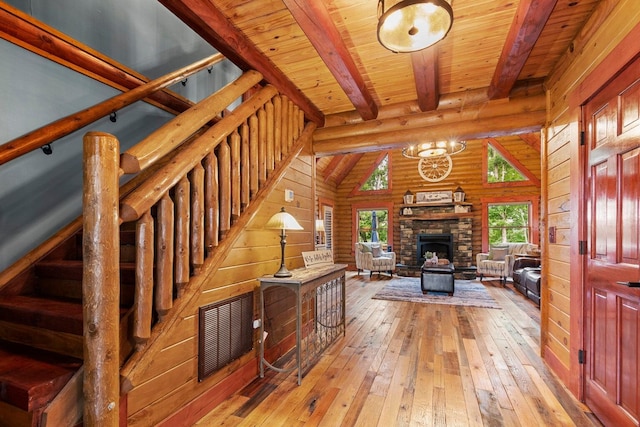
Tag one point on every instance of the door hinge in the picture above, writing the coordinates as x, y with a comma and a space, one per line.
582, 137
582, 247
582, 357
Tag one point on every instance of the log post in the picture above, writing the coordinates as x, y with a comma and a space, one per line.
101, 279
163, 293
143, 306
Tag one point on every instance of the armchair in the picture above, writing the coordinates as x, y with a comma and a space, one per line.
498, 262
370, 256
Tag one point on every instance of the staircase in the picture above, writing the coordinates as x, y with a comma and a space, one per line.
41, 344
198, 182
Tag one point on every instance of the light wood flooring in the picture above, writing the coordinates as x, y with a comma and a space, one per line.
417, 364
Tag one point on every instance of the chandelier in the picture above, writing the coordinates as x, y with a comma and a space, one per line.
412, 25
433, 149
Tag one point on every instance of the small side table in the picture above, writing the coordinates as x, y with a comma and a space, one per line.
438, 278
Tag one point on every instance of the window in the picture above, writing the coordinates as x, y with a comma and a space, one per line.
373, 222
375, 181
509, 222
513, 219
499, 169
373, 225
379, 178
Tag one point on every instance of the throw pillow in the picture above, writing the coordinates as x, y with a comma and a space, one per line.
498, 254
364, 248
376, 251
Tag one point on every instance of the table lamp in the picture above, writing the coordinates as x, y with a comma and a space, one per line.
283, 221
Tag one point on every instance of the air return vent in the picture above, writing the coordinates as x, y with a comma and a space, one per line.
225, 333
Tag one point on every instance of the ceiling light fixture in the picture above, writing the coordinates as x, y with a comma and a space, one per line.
412, 25
433, 149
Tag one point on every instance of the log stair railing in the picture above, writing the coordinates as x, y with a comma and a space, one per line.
182, 214
147, 246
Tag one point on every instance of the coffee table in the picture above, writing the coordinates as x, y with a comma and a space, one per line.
437, 278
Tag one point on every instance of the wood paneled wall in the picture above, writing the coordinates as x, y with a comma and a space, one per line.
599, 50
171, 380
466, 173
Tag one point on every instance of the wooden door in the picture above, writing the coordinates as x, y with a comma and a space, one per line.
612, 324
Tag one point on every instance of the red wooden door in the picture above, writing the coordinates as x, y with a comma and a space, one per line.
612, 307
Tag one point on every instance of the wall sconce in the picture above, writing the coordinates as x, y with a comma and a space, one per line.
282, 221
458, 195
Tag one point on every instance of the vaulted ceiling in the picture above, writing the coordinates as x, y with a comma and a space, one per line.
484, 79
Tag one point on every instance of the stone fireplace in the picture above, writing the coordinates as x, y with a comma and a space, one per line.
436, 228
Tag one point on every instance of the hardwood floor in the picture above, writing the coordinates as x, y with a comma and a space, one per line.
417, 364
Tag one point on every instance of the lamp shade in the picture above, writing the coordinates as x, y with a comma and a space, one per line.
283, 221
412, 25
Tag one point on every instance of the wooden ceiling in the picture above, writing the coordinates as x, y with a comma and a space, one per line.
325, 56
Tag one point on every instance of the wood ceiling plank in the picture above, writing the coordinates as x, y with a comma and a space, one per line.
316, 23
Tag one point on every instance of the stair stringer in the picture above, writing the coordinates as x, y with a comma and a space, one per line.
133, 371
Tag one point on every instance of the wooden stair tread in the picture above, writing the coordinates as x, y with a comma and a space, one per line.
52, 314
31, 378
72, 269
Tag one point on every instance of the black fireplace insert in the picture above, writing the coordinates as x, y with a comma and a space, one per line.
440, 244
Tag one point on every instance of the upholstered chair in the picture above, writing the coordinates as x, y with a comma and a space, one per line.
371, 257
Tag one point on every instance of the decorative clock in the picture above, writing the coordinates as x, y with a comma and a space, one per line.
436, 168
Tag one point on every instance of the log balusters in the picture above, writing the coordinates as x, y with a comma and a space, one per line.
194, 200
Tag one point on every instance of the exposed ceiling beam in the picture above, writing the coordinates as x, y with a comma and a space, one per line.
331, 167
533, 140
489, 119
425, 73
206, 20
527, 25
348, 164
315, 21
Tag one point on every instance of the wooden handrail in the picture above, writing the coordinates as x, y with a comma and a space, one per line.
167, 137
66, 125
152, 190
35, 36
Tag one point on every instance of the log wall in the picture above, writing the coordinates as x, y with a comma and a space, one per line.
604, 44
466, 173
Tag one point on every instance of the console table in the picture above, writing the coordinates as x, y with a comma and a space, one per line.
320, 313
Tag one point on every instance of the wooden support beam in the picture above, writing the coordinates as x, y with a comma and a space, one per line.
211, 24
315, 21
527, 25
490, 119
426, 76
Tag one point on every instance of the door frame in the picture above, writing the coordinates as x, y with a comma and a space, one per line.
621, 56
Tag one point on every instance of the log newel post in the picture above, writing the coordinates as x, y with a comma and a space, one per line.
101, 279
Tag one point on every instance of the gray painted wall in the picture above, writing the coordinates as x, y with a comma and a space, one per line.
39, 194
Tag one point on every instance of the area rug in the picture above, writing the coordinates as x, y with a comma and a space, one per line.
469, 293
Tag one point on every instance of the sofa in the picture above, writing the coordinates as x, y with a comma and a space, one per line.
526, 277
371, 257
498, 262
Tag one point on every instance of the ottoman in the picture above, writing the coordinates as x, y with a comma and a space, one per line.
437, 278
